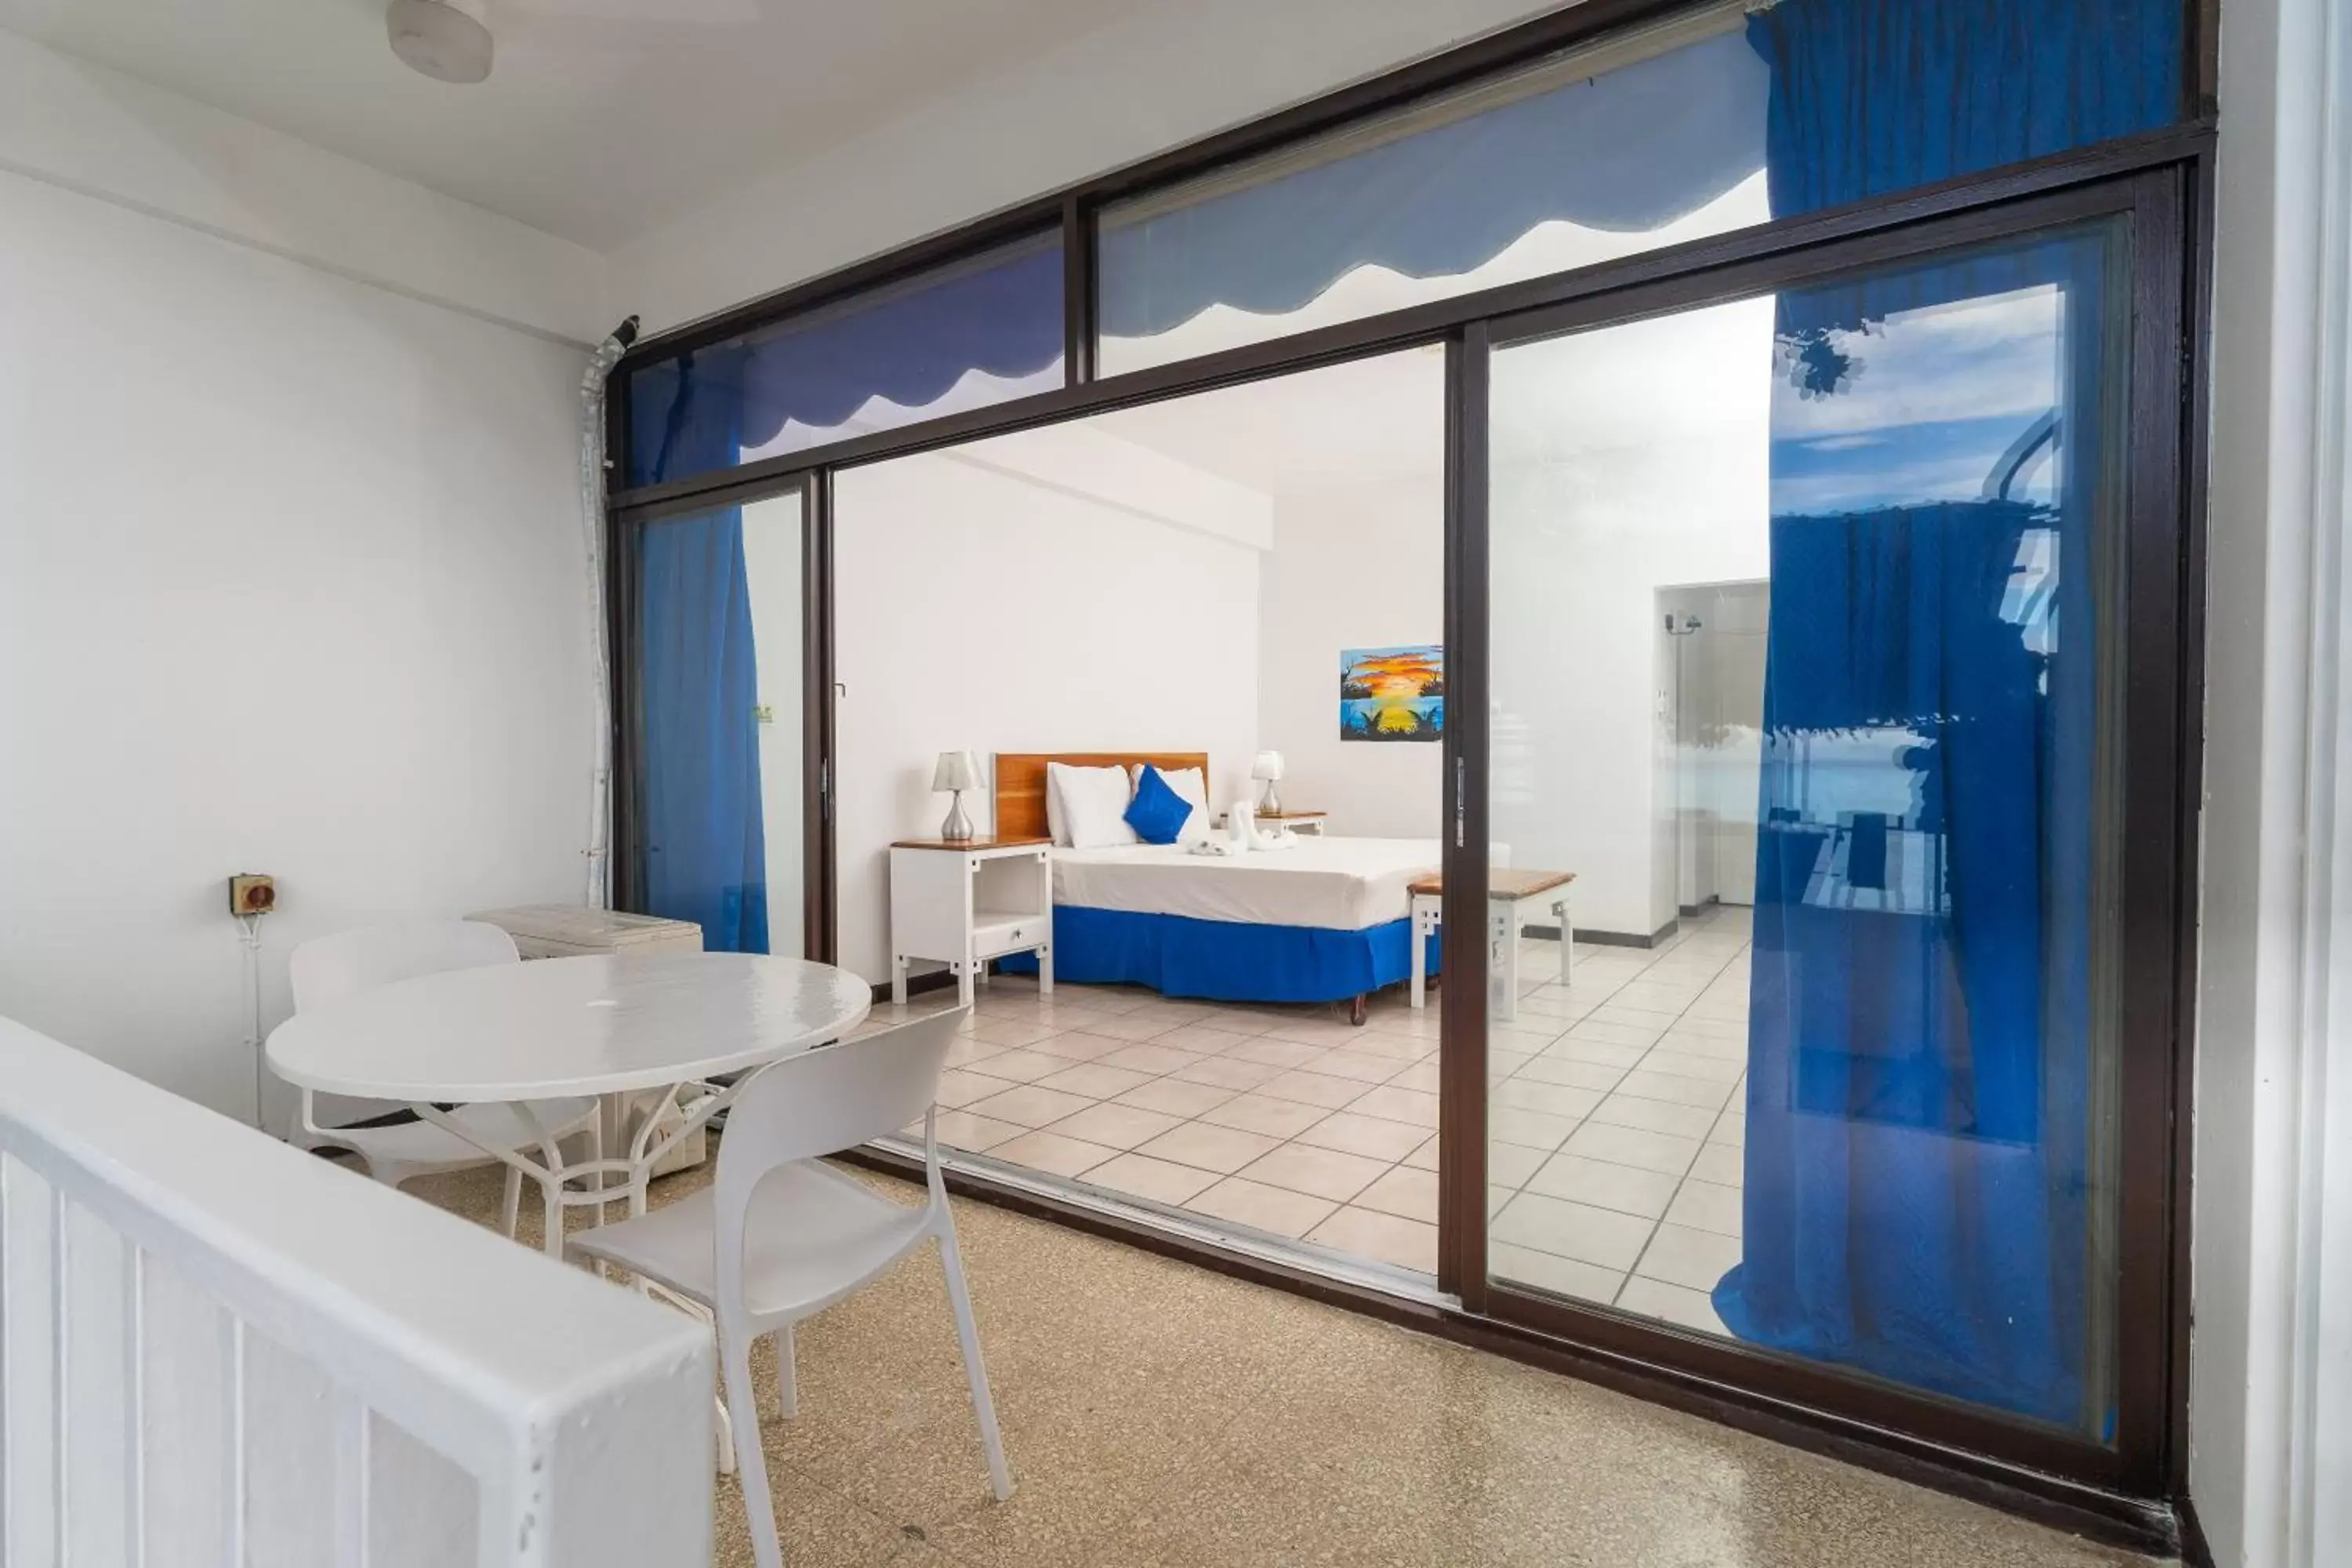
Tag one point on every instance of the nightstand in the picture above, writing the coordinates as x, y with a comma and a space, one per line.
962, 903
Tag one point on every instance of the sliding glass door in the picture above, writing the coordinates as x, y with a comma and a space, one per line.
1807, 711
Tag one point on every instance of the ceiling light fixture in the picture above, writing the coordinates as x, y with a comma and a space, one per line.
448, 40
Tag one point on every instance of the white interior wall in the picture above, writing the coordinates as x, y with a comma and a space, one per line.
1352, 566
1625, 460
979, 607
81, 127
290, 581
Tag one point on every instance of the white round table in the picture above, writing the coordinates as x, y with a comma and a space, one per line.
613, 1026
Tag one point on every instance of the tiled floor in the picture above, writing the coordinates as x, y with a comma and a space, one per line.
1160, 1415
1614, 1126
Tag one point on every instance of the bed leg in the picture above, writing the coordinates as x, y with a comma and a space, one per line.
1360, 1011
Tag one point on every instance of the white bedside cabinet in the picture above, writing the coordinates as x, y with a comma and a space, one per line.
963, 903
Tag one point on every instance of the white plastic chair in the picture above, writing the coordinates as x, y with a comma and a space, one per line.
778, 1236
329, 968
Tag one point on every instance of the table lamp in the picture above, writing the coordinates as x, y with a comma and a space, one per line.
1267, 769
957, 771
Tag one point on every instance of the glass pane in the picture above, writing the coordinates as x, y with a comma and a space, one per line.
1711, 123
718, 698
981, 332
1802, 651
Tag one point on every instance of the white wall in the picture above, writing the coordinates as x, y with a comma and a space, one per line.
81, 127
1351, 566
290, 581
1160, 76
977, 607
1612, 478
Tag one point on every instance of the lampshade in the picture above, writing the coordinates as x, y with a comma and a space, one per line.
955, 770
1267, 766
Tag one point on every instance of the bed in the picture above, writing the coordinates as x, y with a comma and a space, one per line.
1326, 920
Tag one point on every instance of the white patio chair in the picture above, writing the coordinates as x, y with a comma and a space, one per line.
329, 968
778, 1236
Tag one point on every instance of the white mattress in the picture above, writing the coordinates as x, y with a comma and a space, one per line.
1333, 884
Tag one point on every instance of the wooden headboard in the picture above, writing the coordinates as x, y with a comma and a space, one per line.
1021, 782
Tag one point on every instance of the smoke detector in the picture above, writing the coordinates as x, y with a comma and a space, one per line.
448, 40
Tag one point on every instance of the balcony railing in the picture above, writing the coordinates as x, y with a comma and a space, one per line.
216, 1349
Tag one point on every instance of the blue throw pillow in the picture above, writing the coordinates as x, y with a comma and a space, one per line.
1157, 813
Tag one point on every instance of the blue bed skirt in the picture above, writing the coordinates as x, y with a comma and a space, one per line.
1225, 961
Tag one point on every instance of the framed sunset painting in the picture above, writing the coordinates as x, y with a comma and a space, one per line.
1393, 693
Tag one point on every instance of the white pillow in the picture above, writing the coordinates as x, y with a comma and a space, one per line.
1094, 806
1194, 789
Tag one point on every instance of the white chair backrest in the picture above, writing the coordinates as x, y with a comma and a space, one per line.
823, 1102
329, 968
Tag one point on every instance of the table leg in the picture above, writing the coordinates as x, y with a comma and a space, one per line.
1419, 937
1508, 920
1567, 941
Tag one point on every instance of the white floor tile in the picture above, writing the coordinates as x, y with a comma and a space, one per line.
1704, 1206
1116, 1126
1565, 1229
1653, 1116
1546, 1272
1648, 1085
1658, 1152
1671, 1303
1052, 1152
1720, 1164
1624, 1189
1695, 1258
1529, 1129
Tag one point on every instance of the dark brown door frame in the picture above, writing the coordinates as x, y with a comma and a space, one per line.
2113, 1492
2153, 1031
819, 868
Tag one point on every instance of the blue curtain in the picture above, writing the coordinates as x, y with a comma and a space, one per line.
1920, 1085
1870, 97
1919, 1187
703, 844
1002, 315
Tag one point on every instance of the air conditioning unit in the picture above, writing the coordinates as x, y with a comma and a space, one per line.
574, 930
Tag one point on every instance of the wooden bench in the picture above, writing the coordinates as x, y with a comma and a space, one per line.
1512, 899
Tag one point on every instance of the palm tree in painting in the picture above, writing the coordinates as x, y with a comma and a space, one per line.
1393, 693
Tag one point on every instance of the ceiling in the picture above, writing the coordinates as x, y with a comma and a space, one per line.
603, 118
1372, 420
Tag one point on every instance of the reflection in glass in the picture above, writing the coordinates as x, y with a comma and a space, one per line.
1835, 742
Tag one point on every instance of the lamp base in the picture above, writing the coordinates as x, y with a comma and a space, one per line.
957, 828
1269, 804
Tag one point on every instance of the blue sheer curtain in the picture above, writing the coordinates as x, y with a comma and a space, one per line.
1869, 97
1920, 1079
1919, 1189
701, 837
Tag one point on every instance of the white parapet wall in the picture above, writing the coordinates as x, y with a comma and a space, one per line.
214, 1349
